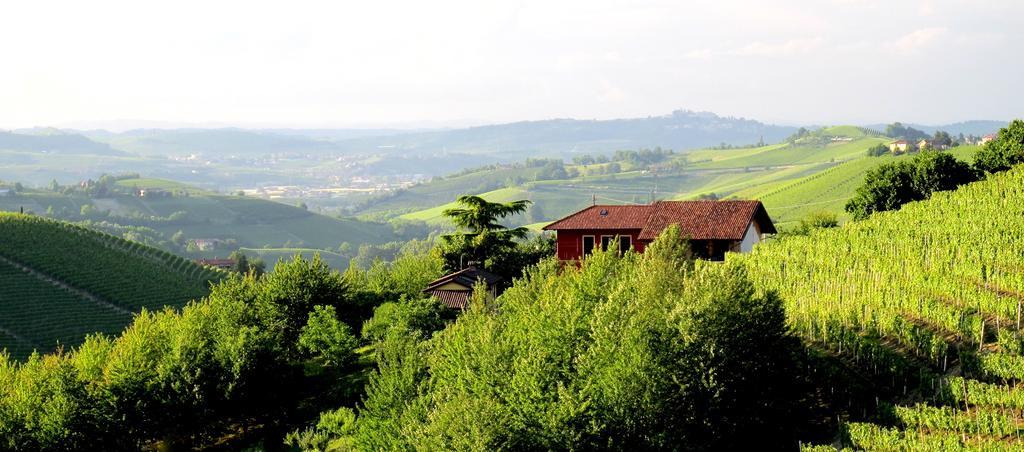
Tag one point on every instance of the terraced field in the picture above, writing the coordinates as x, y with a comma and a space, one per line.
59, 282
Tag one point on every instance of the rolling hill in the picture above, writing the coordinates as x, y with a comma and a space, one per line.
62, 282
819, 172
919, 310
682, 129
168, 207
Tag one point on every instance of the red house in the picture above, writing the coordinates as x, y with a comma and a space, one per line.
713, 227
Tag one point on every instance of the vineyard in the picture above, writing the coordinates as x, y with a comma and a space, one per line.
924, 305
62, 282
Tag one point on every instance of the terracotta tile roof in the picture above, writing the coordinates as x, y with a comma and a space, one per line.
466, 277
706, 220
454, 299
604, 217
698, 220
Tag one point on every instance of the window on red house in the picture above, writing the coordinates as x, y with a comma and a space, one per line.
624, 243
588, 244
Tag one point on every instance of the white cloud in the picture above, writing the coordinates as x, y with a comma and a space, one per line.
916, 40
788, 48
611, 92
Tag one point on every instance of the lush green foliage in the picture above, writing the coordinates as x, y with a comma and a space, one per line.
1006, 150
892, 185
418, 317
640, 351
179, 376
327, 338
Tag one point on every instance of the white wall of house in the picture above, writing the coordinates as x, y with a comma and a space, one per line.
750, 238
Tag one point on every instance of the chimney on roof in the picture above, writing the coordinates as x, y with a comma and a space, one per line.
593, 199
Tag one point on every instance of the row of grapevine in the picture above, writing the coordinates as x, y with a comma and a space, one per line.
43, 315
866, 436
125, 273
41, 312
908, 296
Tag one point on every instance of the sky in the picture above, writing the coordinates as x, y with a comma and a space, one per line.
385, 63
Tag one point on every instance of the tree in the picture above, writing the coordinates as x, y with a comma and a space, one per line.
178, 238
1005, 151
291, 292
942, 139
245, 265
891, 185
479, 215
327, 338
898, 130
878, 150
937, 171
885, 188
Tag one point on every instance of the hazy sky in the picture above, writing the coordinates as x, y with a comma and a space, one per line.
373, 63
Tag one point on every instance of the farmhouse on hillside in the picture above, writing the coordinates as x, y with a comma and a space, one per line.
713, 227
899, 146
454, 290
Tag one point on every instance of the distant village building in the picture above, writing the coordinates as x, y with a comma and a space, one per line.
987, 138
225, 264
713, 227
899, 146
152, 193
206, 244
5, 191
923, 144
454, 290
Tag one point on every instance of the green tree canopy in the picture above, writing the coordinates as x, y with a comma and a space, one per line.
1006, 150
642, 351
481, 238
891, 185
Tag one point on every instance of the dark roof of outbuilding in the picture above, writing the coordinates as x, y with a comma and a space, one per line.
698, 220
466, 277
454, 299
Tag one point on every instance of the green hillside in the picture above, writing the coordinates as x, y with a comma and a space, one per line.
920, 308
818, 172
168, 207
62, 282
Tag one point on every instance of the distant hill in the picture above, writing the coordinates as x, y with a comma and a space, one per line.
216, 141
60, 282
55, 142
680, 130
976, 127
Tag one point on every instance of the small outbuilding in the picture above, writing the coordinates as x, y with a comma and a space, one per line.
454, 290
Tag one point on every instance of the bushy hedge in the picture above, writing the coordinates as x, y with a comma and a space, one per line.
635, 352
